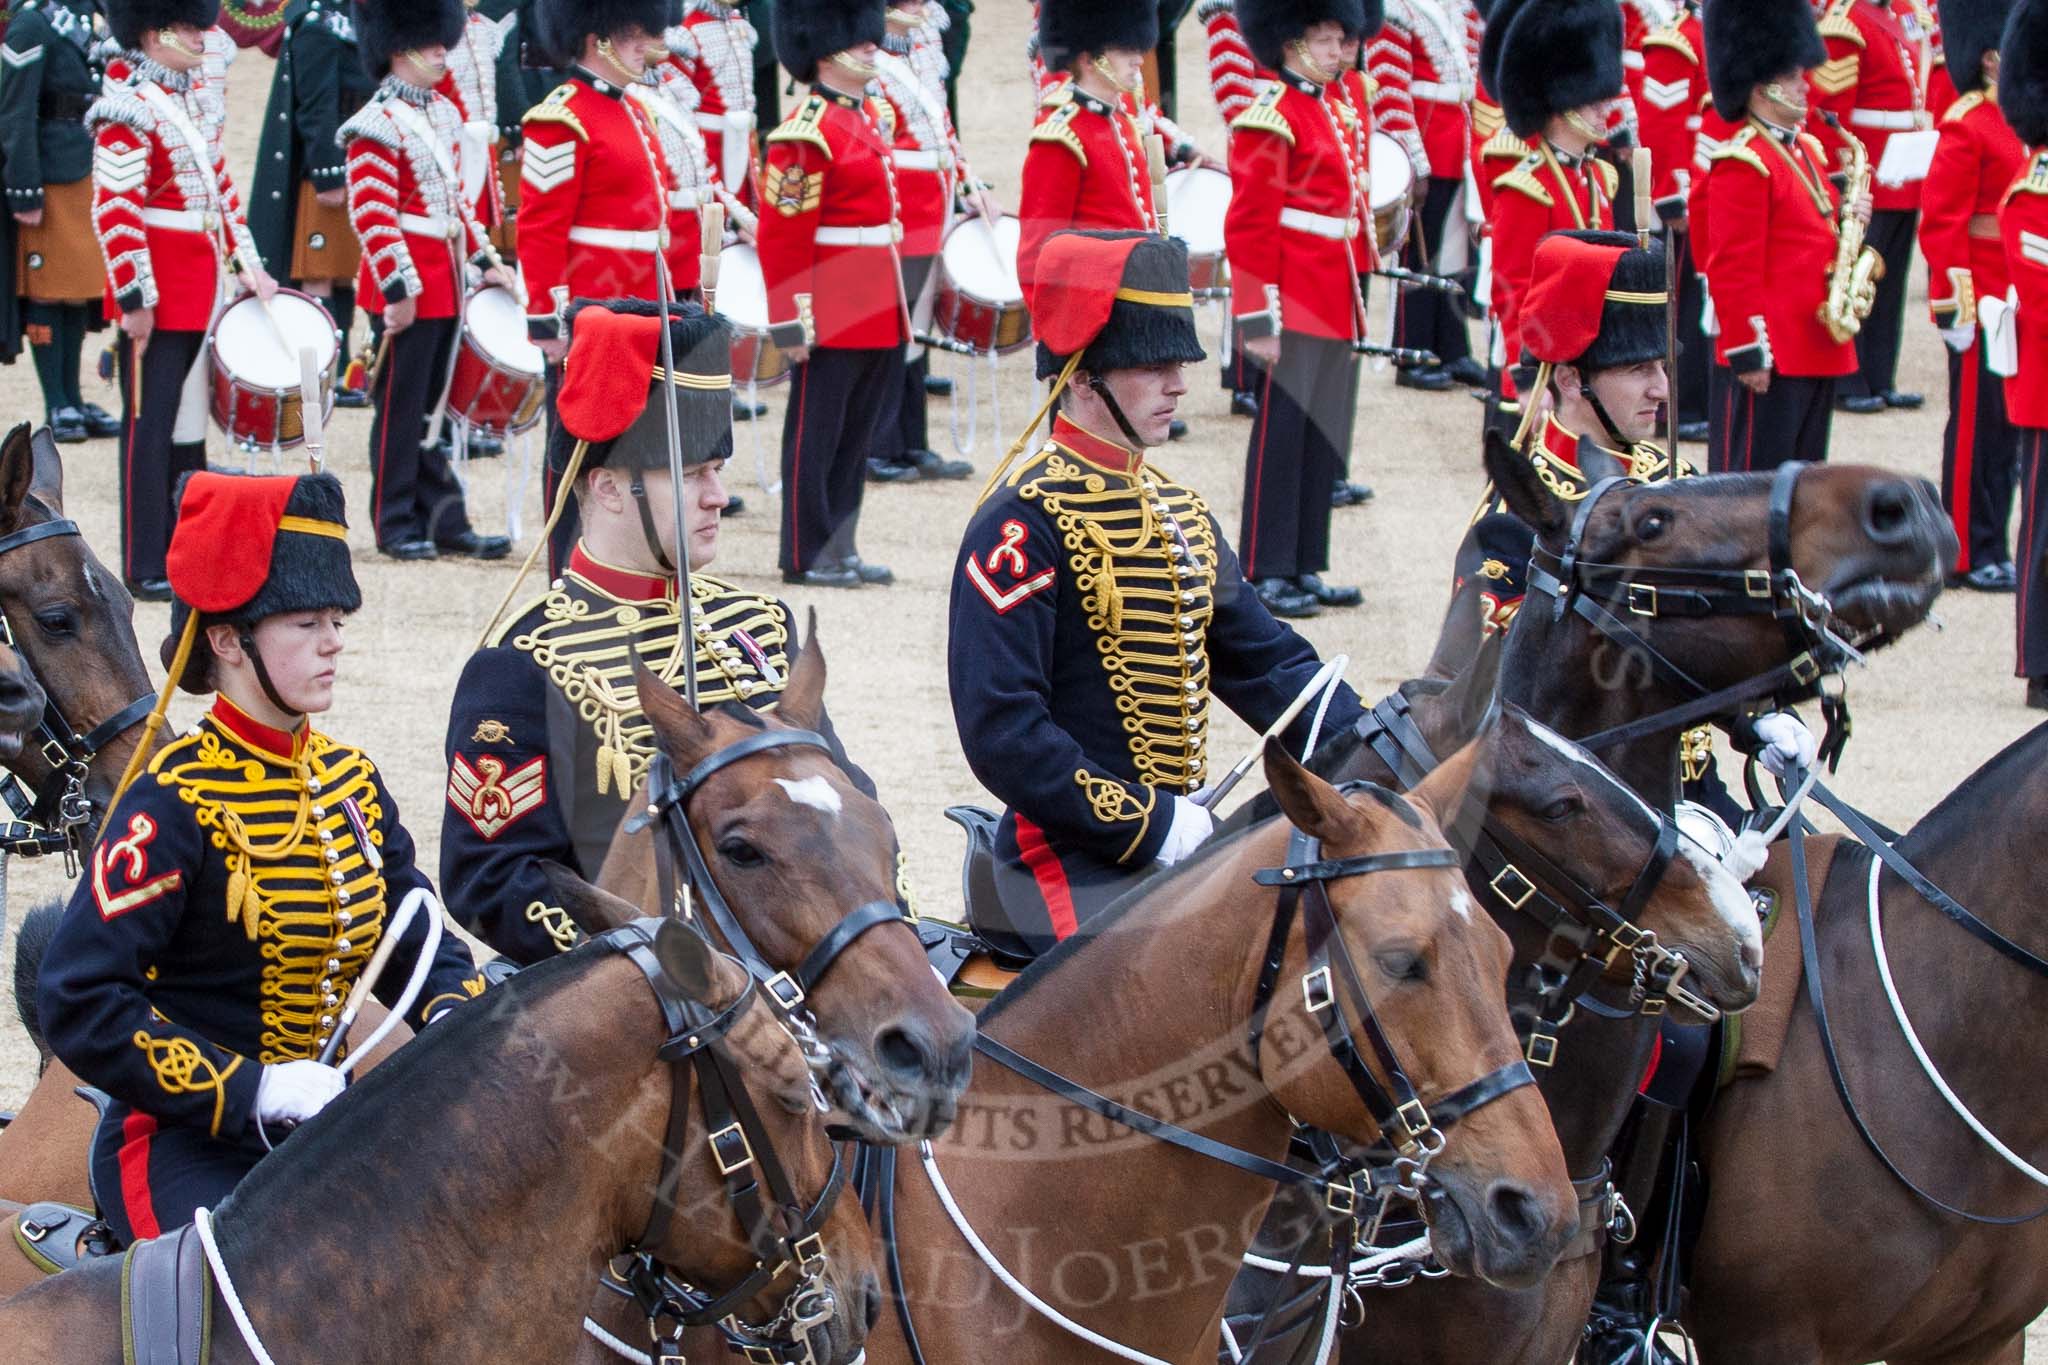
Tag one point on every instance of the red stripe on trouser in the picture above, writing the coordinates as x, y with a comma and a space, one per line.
1748, 427
1960, 499
1050, 876
136, 1131
1251, 521
390, 378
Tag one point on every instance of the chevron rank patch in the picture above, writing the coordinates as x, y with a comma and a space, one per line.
493, 797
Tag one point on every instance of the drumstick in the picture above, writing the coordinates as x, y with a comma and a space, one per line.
1639, 171
1155, 165
710, 241
1323, 678
312, 411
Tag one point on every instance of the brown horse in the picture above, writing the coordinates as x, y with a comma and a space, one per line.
505, 1156
1812, 1252
1876, 547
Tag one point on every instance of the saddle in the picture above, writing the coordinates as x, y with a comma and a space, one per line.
1754, 1040
167, 1301
986, 968
970, 969
57, 1237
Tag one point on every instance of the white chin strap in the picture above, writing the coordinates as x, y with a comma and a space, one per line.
846, 61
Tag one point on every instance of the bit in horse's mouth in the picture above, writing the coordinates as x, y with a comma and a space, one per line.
1885, 603
862, 1103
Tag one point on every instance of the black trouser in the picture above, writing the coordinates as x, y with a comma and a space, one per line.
902, 427
414, 494
1430, 319
151, 464
56, 335
1691, 379
1979, 460
836, 399
1751, 431
2033, 605
148, 1178
1293, 459
1877, 345
1240, 373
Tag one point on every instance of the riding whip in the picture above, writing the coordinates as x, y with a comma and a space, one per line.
312, 412
684, 603
1645, 211
1325, 676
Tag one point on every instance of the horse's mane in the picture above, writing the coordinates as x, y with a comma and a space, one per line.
1993, 784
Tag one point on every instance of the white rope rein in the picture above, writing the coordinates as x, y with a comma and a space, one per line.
202, 1222
614, 1345
1891, 993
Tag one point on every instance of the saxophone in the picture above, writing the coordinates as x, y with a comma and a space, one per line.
1856, 269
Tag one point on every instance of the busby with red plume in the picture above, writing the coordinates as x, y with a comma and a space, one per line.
1120, 300
612, 401
1596, 300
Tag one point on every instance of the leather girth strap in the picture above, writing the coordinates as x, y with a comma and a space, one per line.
166, 1301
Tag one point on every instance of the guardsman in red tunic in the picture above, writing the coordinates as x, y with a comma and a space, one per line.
419, 232
714, 44
1871, 84
1672, 87
831, 233
1975, 163
1774, 217
1296, 206
594, 187
2023, 226
1556, 67
1235, 80
170, 225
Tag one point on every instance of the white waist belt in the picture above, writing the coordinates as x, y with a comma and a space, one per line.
1436, 92
883, 234
1897, 120
685, 199
179, 220
725, 123
422, 226
1319, 224
917, 159
618, 239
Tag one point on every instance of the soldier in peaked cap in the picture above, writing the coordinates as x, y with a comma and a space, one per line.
546, 738
244, 879
1774, 215
2023, 227
1081, 704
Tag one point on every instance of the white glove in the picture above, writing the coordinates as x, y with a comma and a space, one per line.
1742, 854
1959, 339
1191, 825
292, 1092
1788, 744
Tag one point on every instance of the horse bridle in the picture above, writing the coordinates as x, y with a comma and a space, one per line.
1601, 594
786, 1235
56, 819
1585, 934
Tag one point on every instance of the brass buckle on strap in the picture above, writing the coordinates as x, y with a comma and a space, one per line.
730, 1149
1756, 582
1642, 599
1517, 898
1542, 1047
1316, 991
783, 989
1415, 1118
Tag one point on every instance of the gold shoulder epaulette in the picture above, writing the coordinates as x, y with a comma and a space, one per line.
1674, 38
514, 619
884, 115
1960, 110
555, 109
1504, 146
1372, 90
1263, 115
1058, 93
1836, 23
1522, 179
803, 126
1610, 178
1058, 126
2034, 181
1737, 148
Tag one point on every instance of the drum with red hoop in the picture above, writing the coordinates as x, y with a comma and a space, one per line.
979, 301
1197, 201
1393, 178
497, 386
253, 379
742, 300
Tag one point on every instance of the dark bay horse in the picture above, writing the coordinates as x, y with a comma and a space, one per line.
1812, 1253
454, 1204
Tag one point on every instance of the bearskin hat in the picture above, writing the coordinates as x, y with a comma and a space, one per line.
1969, 29
560, 26
130, 19
1493, 37
1068, 28
248, 547
809, 31
1080, 293
1750, 41
385, 28
2023, 72
1596, 301
1557, 55
1270, 25
611, 393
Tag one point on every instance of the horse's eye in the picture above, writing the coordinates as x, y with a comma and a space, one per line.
1652, 525
1403, 965
740, 853
58, 623
1563, 808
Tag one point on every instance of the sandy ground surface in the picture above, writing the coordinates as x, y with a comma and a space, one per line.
1928, 711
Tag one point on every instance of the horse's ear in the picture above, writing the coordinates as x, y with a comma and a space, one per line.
48, 483
595, 912
1455, 790
1597, 462
1514, 478
1314, 807
679, 728
803, 696
1475, 696
689, 963
17, 476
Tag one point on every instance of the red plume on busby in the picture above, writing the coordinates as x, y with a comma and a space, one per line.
1119, 298
611, 394
1556, 56
1068, 28
385, 28
1750, 41
1596, 300
1969, 29
2023, 72
562, 25
1270, 25
130, 19
809, 31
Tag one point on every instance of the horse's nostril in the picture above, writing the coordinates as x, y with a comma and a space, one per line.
1515, 1211
874, 1301
897, 1050
1888, 514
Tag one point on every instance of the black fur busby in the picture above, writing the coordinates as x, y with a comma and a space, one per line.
1557, 55
1068, 28
1139, 334
2023, 72
1750, 41
130, 19
809, 31
1493, 37
385, 28
1631, 327
562, 25
1969, 29
1270, 25
702, 343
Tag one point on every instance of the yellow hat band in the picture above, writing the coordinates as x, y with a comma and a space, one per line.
307, 526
